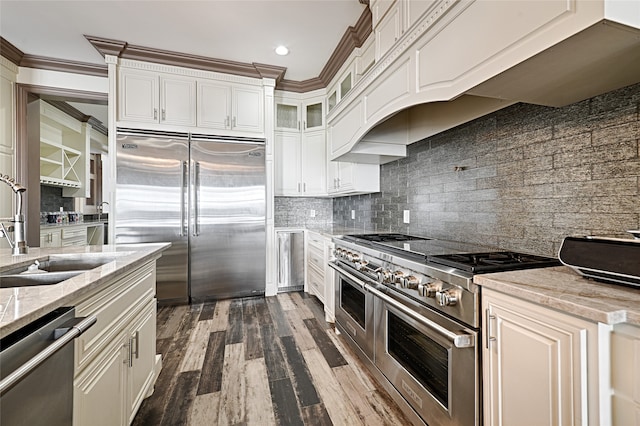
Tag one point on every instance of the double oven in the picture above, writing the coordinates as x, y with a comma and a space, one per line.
415, 322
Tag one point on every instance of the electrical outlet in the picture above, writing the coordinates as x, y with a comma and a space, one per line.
353, 214
405, 216
312, 213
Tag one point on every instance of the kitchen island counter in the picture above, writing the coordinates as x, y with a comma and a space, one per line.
564, 289
21, 305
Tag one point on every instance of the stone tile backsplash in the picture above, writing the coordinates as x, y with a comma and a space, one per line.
296, 212
521, 178
51, 199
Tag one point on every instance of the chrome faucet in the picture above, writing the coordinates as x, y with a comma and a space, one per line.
100, 208
19, 243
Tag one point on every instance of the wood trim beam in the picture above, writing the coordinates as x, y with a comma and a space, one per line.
10, 52
79, 115
63, 65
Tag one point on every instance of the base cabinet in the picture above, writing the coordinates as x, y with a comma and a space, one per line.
116, 362
319, 276
540, 366
625, 375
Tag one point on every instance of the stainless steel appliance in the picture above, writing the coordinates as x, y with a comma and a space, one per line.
36, 370
290, 260
205, 195
425, 317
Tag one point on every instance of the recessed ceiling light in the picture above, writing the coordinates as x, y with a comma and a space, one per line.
281, 50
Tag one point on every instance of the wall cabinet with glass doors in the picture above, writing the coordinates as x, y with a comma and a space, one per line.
300, 147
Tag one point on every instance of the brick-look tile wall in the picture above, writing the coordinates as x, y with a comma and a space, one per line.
531, 176
293, 212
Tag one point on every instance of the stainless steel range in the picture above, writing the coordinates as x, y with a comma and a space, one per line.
411, 310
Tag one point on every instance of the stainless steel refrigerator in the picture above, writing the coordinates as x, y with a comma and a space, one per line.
205, 195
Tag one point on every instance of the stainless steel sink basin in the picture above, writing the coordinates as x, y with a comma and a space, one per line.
18, 280
56, 269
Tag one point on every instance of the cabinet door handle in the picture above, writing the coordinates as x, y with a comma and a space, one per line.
155, 113
304, 125
233, 122
226, 122
298, 186
137, 339
298, 124
304, 187
488, 318
164, 114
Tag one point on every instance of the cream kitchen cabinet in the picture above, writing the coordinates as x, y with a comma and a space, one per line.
540, 366
230, 107
64, 149
300, 164
390, 28
625, 374
115, 360
319, 276
300, 147
297, 115
63, 236
345, 178
151, 97
50, 238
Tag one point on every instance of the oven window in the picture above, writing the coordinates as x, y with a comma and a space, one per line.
423, 358
352, 301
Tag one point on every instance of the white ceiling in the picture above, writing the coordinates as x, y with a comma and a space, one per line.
239, 30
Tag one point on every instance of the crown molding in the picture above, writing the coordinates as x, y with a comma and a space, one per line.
53, 64
78, 115
10, 52
106, 46
353, 38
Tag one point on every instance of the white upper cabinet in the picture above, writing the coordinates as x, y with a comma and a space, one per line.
195, 100
345, 178
300, 153
151, 97
230, 107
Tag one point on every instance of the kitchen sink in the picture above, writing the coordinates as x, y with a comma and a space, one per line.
55, 269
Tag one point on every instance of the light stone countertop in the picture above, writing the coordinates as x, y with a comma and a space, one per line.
21, 305
564, 289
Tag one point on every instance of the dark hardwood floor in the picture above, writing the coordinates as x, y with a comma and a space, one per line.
260, 361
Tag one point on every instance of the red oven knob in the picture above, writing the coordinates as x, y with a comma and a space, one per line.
430, 289
398, 277
338, 252
448, 297
354, 257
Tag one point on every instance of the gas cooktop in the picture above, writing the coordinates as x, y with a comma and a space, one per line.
492, 261
462, 256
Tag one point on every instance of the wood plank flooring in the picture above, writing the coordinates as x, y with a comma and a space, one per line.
260, 361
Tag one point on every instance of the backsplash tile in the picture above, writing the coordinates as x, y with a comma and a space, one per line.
527, 176
296, 212
51, 199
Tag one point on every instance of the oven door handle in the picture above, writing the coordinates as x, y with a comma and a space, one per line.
353, 278
459, 340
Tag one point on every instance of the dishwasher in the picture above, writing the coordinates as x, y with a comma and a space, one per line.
290, 260
36, 370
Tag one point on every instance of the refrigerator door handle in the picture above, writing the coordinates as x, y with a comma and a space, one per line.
196, 201
183, 193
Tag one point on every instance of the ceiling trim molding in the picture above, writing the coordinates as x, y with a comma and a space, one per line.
53, 64
301, 86
353, 38
78, 115
10, 52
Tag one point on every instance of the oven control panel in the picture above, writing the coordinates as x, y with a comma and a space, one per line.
418, 285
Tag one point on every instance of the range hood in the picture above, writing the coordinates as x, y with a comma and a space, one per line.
590, 57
